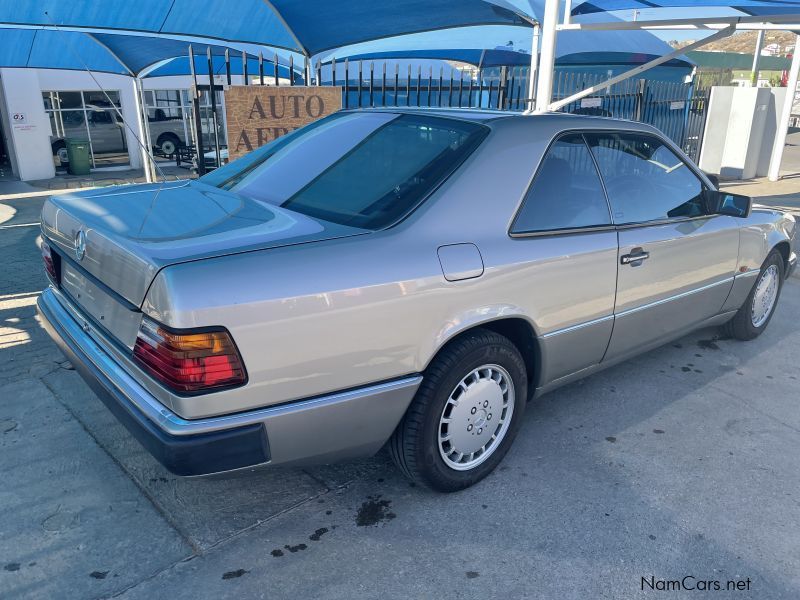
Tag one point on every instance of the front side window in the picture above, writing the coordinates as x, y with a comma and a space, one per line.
566, 192
645, 180
364, 170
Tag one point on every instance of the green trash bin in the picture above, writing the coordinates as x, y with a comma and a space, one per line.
78, 156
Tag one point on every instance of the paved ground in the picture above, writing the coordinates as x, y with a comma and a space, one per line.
167, 171
682, 462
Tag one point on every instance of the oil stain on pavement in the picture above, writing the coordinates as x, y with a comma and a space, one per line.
374, 511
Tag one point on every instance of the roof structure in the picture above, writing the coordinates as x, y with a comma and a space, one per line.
509, 58
113, 52
308, 27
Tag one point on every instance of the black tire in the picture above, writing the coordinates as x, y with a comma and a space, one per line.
60, 150
741, 325
168, 144
414, 446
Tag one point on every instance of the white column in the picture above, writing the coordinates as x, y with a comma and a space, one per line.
756, 55
547, 59
786, 112
29, 137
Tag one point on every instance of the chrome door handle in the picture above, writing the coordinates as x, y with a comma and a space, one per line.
635, 258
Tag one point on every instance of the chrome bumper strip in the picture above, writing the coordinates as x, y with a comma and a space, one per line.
168, 421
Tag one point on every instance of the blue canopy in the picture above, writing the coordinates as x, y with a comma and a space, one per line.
310, 26
573, 47
42, 49
115, 53
510, 58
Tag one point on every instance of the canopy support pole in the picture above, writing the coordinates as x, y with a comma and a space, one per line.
144, 132
786, 113
744, 23
530, 104
756, 56
213, 93
198, 119
547, 60
636, 70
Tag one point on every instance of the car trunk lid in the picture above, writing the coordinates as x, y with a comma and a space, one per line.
131, 232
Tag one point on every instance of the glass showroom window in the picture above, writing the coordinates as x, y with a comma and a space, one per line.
170, 118
88, 116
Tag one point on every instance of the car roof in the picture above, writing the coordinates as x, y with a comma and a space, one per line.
551, 120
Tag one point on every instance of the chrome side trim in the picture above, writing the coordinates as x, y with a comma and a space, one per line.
170, 422
630, 311
624, 313
577, 327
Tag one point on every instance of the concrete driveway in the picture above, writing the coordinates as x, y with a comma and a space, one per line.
683, 462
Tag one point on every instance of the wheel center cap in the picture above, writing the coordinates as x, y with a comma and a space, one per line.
480, 418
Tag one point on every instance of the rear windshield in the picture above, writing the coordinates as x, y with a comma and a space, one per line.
365, 170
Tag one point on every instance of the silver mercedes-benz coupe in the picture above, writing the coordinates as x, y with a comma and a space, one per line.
400, 277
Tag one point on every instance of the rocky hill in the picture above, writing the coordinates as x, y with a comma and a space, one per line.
745, 42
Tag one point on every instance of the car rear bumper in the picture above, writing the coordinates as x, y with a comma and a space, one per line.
317, 430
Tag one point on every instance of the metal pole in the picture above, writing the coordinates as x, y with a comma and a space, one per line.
144, 131
198, 120
244, 68
786, 113
396, 81
275, 67
635, 71
347, 83
756, 56
213, 93
547, 61
534, 67
360, 80
227, 66
261, 68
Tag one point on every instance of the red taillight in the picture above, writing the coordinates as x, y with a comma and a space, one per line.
49, 264
188, 361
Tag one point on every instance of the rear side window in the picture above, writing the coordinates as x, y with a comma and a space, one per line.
365, 170
645, 180
566, 192
389, 172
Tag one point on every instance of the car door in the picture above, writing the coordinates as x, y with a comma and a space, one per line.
564, 235
676, 262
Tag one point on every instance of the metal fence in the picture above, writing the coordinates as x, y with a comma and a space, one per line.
677, 109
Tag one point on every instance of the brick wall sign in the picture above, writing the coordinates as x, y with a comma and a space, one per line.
258, 114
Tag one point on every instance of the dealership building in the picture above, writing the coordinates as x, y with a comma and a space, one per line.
62, 85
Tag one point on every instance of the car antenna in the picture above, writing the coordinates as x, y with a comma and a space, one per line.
143, 146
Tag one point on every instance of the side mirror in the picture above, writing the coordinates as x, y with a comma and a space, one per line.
713, 179
723, 203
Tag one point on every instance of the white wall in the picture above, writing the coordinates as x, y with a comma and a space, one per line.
32, 156
734, 143
30, 147
30, 144
61, 80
